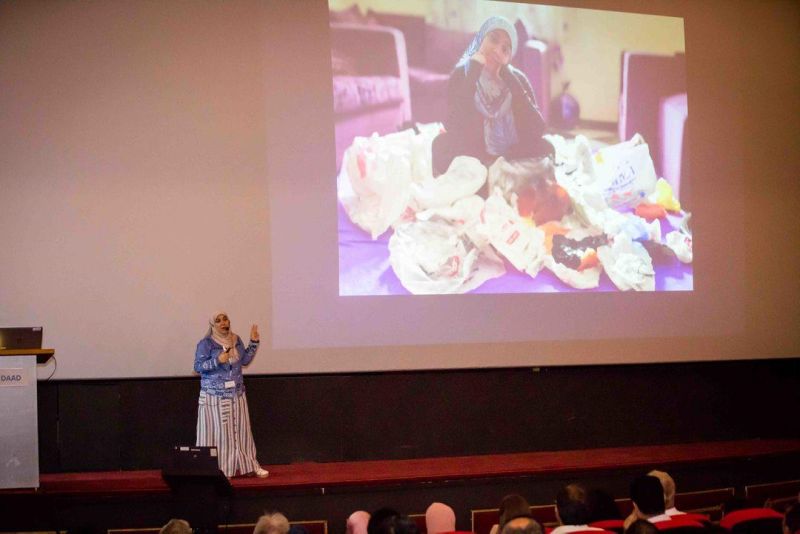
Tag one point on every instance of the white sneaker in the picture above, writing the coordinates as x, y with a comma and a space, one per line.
260, 472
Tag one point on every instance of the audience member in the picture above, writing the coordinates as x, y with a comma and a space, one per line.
390, 521
275, 523
601, 506
401, 524
439, 518
648, 500
511, 506
521, 525
176, 526
791, 521
668, 485
379, 519
641, 526
571, 510
357, 522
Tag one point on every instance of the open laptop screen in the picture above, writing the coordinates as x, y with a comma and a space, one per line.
20, 338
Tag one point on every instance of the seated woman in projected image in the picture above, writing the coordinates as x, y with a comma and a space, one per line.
223, 420
491, 107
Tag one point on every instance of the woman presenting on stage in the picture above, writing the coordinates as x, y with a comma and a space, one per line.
223, 420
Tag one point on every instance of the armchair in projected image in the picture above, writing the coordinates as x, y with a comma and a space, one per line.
370, 81
653, 103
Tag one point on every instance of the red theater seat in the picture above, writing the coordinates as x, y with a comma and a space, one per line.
545, 514
704, 503
700, 518
753, 521
612, 525
679, 525
775, 495
419, 521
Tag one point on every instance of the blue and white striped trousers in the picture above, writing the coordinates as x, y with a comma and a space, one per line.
225, 424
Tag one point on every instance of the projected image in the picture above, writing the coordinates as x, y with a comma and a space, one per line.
494, 147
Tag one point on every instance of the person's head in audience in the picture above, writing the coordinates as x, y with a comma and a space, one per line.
571, 506
668, 485
357, 522
647, 496
379, 520
521, 525
641, 526
791, 521
176, 526
511, 507
601, 506
439, 518
274, 523
401, 524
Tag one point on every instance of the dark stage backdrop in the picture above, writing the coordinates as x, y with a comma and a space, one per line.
131, 424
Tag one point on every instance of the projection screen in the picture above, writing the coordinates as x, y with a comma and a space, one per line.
166, 161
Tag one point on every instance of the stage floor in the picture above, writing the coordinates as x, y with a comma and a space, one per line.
327, 493
316, 478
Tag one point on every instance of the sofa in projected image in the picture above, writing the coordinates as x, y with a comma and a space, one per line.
434, 51
370, 81
389, 69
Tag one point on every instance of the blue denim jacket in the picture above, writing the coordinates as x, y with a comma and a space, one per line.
213, 374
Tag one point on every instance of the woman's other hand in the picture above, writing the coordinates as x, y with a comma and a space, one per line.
254, 333
495, 50
479, 57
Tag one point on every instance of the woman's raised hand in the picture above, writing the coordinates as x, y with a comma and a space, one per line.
254, 333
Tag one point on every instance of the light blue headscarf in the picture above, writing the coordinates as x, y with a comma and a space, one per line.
492, 23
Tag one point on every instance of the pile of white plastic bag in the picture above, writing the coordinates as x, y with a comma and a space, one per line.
571, 215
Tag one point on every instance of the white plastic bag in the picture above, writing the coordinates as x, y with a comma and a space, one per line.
510, 176
635, 227
374, 184
464, 177
574, 171
681, 244
625, 172
628, 264
573, 157
589, 204
529, 185
435, 257
585, 279
512, 236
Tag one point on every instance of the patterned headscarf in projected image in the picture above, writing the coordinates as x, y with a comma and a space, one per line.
492, 23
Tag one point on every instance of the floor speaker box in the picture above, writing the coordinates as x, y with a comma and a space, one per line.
197, 483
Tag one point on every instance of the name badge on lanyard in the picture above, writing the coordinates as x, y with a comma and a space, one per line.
230, 384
